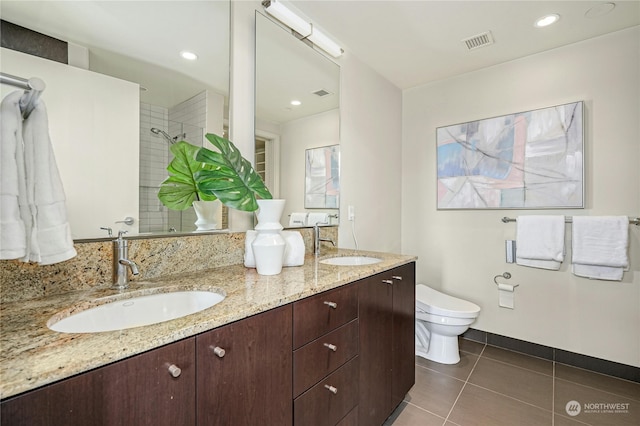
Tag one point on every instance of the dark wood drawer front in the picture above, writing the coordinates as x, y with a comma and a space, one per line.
350, 419
317, 359
319, 314
330, 400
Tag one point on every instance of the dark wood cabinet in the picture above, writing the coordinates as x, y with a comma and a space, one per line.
153, 388
245, 371
325, 362
387, 354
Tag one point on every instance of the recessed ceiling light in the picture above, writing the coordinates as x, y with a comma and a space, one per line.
188, 55
547, 20
296, 103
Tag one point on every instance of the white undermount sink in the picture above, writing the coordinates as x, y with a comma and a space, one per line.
350, 260
137, 311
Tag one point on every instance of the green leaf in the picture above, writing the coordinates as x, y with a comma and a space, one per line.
228, 176
179, 190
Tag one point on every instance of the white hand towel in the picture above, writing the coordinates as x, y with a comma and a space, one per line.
13, 237
540, 241
294, 250
298, 219
313, 218
599, 245
293, 253
45, 215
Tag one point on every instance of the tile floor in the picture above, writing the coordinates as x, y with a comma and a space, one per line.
491, 386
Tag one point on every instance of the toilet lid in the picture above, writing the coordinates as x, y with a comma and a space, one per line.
433, 302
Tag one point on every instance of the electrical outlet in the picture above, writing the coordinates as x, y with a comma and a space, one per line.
351, 215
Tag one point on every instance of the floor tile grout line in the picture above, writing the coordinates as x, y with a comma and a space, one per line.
464, 385
553, 393
424, 409
521, 368
597, 389
512, 398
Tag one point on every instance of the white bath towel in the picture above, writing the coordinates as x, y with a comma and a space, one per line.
45, 215
298, 219
293, 253
540, 241
600, 245
314, 218
13, 237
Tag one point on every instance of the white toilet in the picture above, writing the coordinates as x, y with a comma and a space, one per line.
440, 319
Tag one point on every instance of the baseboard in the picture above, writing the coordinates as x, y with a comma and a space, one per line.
586, 362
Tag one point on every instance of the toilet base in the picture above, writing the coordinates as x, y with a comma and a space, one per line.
442, 349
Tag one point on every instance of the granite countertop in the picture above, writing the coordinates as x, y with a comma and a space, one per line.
33, 355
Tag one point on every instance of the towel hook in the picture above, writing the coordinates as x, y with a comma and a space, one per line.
505, 275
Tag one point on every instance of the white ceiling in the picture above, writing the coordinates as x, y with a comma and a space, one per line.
411, 43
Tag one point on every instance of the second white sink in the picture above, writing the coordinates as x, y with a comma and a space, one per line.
137, 312
350, 260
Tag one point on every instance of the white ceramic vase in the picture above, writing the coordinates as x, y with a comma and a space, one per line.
268, 246
207, 214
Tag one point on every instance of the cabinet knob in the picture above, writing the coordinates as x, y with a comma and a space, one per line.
330, 346
174, 370
333, 305
397, 277
388, 282
218, 351
331, 389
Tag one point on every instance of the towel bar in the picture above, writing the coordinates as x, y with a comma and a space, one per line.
569, 219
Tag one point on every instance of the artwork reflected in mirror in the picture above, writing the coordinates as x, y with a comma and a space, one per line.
322, 178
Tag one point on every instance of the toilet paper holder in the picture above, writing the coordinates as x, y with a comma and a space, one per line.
505, 275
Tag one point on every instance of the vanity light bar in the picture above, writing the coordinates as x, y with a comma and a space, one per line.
287, 17
302, 27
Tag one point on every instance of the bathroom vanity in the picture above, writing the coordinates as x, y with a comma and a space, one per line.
315, 345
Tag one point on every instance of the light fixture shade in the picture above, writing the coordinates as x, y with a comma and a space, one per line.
287, 17
319, 39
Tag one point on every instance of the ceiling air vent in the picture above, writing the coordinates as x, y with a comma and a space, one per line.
321, 92
478, 40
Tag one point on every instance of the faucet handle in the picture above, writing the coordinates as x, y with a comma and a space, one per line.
120, 234
109, 230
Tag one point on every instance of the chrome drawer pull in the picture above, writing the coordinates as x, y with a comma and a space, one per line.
397, 277
388, 282
331, 304
218, 351
174, 370
330, 346
331, 389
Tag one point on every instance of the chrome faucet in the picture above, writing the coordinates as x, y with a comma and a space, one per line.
317, 239
121, 262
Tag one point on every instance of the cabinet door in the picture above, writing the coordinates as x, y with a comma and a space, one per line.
250, 383
375, 353
136, 391
404, 307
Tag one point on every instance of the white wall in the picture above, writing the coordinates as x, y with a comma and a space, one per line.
461, 251
94, 130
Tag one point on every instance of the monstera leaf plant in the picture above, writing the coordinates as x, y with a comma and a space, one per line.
228, 176
202, 174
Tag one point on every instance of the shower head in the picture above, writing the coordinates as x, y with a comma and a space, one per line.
164, 134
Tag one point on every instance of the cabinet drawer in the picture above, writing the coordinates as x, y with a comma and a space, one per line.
350, 419
319, 314
330, 400
317, 359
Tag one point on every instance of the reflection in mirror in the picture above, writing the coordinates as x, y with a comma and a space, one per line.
287, 70
138, 43
322, 178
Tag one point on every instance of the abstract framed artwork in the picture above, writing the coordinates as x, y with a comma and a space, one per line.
526, 160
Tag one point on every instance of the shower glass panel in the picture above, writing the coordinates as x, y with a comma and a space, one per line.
155, 156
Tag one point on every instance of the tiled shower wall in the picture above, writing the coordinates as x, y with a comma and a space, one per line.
184, 121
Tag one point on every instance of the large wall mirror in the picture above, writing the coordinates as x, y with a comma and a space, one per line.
113, 168
297, 109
